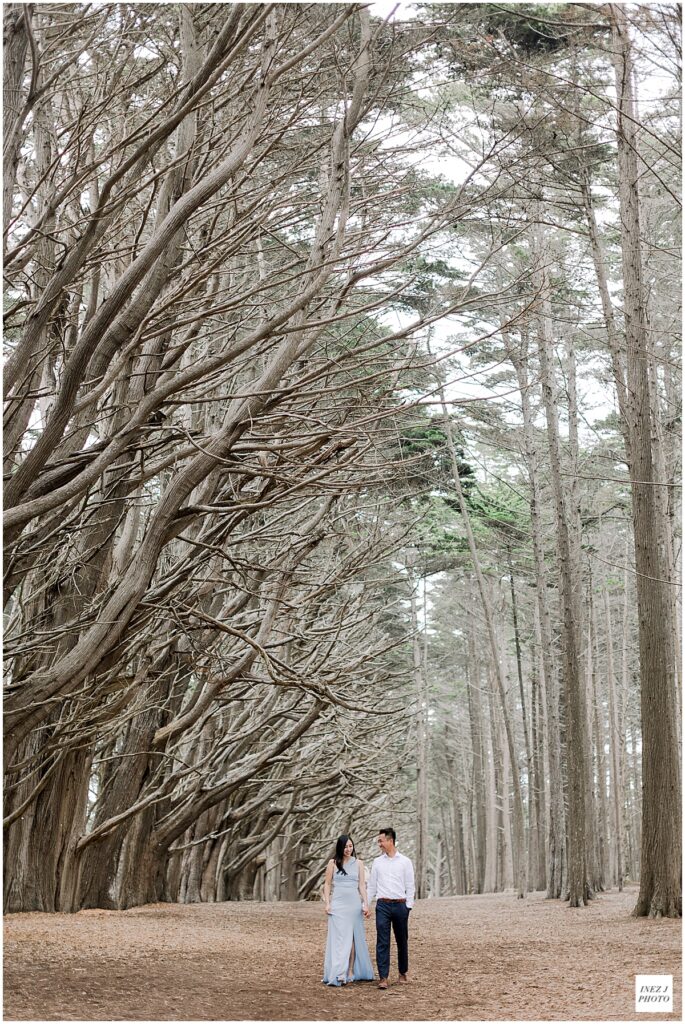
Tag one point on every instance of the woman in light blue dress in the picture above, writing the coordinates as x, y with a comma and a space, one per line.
347, 955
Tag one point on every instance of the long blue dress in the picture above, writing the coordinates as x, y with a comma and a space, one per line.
345, 926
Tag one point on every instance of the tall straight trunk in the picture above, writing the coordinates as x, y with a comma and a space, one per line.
421, 756
660, 893
456, 818
471, 885
520, 857
663, 499
615, 347
662, 495
556, 836
437, 869
538, 778
447, 825
579, 891
495, 851
598, 771
635, 791
614, 748
492, 761
475, 710
519, 668
595, 873
507, 838
459, 845
622, 714
531, 843
465, 794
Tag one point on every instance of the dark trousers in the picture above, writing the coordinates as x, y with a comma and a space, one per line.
397, 915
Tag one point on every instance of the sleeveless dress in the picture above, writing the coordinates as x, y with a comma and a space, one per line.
346, 926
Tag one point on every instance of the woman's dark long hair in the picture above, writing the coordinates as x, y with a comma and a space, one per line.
340, 852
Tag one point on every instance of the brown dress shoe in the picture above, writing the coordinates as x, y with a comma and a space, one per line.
383, 983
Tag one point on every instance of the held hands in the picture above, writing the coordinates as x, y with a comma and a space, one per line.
365, 909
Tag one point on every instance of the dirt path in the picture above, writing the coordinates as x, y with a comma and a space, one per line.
472, 958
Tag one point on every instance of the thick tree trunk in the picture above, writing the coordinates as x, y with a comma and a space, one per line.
663, 501
660, 893
120, 787
15, 48
579, 891
40, 869
194, 861
142, 865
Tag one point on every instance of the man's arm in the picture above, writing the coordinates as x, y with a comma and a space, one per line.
409, 882
373, 884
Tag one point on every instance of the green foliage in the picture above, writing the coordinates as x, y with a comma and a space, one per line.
439, 531
532, 28
429, 278
501, 508
423, 447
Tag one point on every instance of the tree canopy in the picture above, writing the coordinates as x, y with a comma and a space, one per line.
341, 447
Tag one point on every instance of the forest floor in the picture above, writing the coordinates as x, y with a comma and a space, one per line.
471, 958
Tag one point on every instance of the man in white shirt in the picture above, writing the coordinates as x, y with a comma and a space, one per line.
392, 886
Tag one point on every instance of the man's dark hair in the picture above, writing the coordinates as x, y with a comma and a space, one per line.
388, 832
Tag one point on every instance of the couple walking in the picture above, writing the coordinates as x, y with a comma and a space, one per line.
391, 884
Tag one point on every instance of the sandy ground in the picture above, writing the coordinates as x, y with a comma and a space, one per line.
471, 958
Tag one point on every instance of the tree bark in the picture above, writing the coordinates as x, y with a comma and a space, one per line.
660, 893
579, 891
556, 838
475, 710
421, 753
615, 743
16, 18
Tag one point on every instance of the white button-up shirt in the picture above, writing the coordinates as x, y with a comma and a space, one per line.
392, 878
